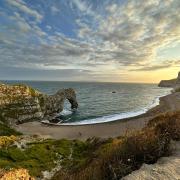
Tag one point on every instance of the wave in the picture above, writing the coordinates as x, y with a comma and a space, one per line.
115, 117
65, 112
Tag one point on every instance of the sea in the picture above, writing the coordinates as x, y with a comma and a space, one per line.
102, 102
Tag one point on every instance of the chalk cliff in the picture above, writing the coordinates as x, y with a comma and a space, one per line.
21, 103
171, 83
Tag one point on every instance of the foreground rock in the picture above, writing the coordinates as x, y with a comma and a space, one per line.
21, 103
175, 83
165, 169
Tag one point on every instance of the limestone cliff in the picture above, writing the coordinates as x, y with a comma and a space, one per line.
21, 103
171, 83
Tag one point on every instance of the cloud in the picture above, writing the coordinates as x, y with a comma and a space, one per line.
54, 10
82, 6
121, 36
152, 68
43, 74
22, 7
48, 27
139, 28
133, 33
162, 65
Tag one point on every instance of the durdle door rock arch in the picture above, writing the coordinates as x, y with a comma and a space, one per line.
21, 103
55, 103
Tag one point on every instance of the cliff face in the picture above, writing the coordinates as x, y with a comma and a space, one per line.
178, 79
21, 103
171, 83
167, 83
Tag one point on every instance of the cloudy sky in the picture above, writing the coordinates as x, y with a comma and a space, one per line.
90, 40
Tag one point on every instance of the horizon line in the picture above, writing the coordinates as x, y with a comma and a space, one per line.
78, 81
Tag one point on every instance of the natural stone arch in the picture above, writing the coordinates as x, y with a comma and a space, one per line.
70, 95
55, 103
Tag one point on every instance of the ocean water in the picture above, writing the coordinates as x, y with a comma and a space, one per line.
98, 104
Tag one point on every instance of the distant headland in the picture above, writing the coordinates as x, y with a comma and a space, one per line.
174, 83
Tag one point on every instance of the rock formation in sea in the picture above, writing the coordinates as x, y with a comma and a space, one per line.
175, 83
21, 103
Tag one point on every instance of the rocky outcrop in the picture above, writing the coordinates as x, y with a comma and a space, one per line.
166, 168
167, 83
171, 83
178, 80
21, 103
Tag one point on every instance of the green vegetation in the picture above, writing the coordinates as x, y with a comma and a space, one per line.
177, 89
32, 91
96, 158
41, 156
123, 155
7, 131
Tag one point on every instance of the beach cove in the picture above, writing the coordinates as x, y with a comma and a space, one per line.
168, 103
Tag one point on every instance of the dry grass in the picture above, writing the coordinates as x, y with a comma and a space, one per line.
120, 157
15, 174
7, 140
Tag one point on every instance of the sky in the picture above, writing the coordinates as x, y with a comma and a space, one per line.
90, 40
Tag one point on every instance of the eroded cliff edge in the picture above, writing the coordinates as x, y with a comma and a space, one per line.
21, 103
174, 83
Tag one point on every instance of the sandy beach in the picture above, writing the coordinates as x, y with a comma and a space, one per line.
167, 103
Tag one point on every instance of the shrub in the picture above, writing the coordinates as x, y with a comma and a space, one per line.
177, 89
7, 131
126, 154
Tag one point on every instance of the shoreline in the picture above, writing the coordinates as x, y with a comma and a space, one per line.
168, 103
113, 117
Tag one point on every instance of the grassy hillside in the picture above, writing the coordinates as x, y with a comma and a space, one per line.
45, 155
125, 154
94, 159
